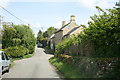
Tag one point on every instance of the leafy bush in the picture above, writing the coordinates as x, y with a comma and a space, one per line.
44, 41
8, 35
60, 48
16, 52
16, 41
103, 32
26, 35
18, 35
68, 70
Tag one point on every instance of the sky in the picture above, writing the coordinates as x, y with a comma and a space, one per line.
42, 14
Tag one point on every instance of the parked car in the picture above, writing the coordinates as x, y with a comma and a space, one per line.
39, 45
5, 62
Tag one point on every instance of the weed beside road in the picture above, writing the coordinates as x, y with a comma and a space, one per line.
83, 67
67, 70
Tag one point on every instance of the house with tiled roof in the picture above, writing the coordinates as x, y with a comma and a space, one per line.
66, 31
72, 32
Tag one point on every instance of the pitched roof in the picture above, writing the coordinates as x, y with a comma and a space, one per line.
65, 26
62, 28
72, 30
52, 36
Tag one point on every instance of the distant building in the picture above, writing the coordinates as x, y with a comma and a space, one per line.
66, 31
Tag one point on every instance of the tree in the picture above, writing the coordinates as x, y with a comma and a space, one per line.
49, 32
26, 35
18, 35
8, 35
45, 34
39, 36
104, 32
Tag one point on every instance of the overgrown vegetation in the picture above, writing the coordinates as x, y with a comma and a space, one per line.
18, 40
49, 32
84, 67
16, 52
68, 70
60, 48
43, 36
104, 32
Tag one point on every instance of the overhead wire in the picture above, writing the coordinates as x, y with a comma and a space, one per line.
13, 15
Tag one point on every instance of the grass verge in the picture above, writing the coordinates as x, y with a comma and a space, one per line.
67, 70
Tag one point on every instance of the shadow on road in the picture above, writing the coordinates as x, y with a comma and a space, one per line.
48, 51
4, 72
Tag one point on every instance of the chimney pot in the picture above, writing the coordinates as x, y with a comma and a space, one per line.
63, 23
72, 18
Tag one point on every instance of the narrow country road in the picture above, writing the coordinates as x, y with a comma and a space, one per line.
36, 67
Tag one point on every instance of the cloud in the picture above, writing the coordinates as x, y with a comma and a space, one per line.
85, 22
42, 0
58, 25
87, 4
35, 26
105, 4
4, 3
101, 3
83, 1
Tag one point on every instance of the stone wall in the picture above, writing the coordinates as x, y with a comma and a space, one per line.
95, 67
84, 49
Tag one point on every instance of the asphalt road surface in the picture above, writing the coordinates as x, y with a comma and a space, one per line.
36, 67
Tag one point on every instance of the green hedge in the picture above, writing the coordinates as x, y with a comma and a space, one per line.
60, 48
16, 52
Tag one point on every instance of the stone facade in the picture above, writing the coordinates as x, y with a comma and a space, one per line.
66, 31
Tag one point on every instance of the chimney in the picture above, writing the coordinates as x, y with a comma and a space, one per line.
63, 23
72, 18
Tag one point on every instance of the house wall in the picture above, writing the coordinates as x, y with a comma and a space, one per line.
84, 49
52, 43
76, 32
69, 27
58, 37
66, 37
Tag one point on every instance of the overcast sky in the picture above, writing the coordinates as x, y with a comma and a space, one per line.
41, 14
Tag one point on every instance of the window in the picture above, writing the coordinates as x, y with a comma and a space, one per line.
68, 26
6, 56
0, 56
3, 57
